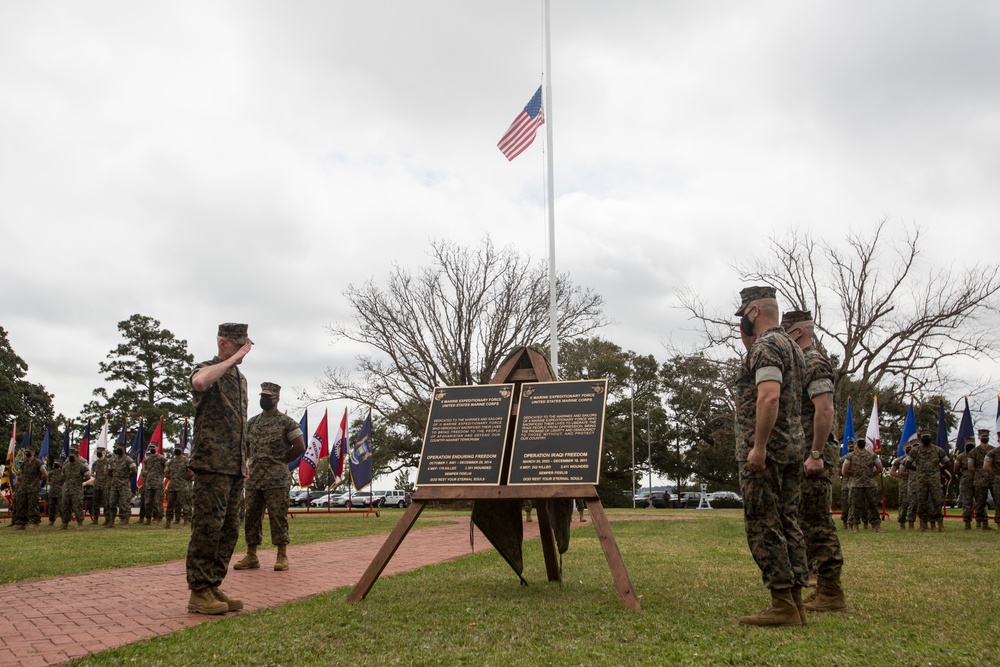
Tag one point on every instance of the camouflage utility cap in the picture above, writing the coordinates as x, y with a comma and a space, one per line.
270, 388
235, 332
794, 317
751, 294
984, 433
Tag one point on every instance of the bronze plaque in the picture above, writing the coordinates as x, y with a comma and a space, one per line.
465, 436
559, 433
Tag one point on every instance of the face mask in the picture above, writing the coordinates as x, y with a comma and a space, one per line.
266, 403
985, 441
72, 459
746, 326
119, 452
100, 455
926, 439
150, 452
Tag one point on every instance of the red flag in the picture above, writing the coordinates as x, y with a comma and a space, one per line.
157, 437
314, 452
521, 132
85, 444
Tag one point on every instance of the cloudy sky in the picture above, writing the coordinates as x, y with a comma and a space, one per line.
244, 161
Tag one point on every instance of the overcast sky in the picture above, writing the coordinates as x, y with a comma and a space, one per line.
244, 161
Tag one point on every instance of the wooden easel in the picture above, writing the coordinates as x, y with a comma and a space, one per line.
526, 365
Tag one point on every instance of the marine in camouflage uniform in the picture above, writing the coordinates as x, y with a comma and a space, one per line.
821, 452
179, 489
771, 378
218, 460
55, 480
275, 439
902, 475
924, 463
961, 472
860, 467
981, 479
845, 485
992, 465
75, 473
119, 470
101, 486
26, 488
154, 467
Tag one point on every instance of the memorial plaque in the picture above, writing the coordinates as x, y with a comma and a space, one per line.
559, 433
465, 436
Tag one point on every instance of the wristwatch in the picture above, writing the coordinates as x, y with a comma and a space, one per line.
815, 454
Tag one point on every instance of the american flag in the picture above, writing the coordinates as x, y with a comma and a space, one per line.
521, 132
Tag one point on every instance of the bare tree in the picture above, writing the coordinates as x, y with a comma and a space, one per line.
887, 317
449, 323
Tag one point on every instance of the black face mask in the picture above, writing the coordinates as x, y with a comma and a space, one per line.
266, 402
746, 326
100, 455
119, 452
926, 439
72, 459
985, 441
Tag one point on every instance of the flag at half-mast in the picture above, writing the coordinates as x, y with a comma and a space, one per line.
872, 441
338, 450
848, 429
522, 131
316, 450
909, 435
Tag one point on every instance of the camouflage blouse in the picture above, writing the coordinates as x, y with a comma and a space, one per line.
270, 439
220, 424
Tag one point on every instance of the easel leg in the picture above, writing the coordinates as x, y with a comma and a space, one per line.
614, 557
548, 541
385, 554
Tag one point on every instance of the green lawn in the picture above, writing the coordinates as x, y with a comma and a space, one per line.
47, 551
916, 598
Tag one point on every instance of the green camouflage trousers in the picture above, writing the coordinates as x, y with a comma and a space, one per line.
965, 496
119, 497
818, 527
99, 502
771, 500
925, 499
178, 501
904, 500
152, 499
275, 501
70, 505
26, 508
979, 499
864, 506
215, 527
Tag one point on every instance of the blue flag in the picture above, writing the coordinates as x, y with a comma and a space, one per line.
965, 430
361, 455
43, 453
64, 453
848, 429
304, 427
909, 431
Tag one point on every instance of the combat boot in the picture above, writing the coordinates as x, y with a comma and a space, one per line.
923, 526
249, 561
829, 596
986, 525
909, 525
167, 524
797, 599
204, 602
65, 525
281, 563
877, 527
232, 604
148, 521
902, 525
968, 525
940, 526
124, 521
93, 519
782, 611
109, 523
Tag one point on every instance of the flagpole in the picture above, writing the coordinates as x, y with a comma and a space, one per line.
550, 194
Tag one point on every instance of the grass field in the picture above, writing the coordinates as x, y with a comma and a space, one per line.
916, 599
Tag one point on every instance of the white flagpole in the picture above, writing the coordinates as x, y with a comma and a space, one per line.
550, 196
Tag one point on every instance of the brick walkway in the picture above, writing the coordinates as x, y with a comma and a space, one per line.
92, 614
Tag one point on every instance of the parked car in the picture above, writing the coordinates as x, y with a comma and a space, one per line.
321, 498
661, 499
298, 497
340, 499
725, 495
395, 498
689, 499
363, 499
642, 499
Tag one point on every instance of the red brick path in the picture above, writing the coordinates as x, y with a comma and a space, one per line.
92, 610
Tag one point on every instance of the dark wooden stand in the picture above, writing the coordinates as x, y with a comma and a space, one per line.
525, 365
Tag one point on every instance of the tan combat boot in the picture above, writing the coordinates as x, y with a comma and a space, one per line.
109, 523
829, 596
968, 525
249, 561
167, 524
204, 602
232, 604
797, 599
986, 525
782, 611
281, 563
923, 526
940, 526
